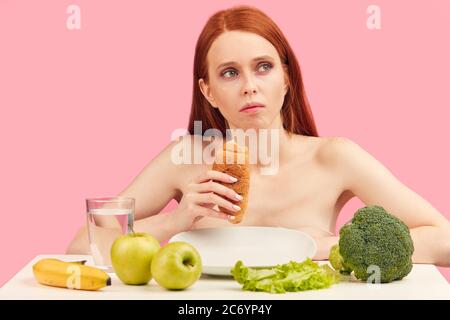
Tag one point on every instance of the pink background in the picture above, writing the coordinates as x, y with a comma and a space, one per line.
83, 111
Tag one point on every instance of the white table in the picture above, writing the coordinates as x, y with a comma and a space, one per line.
424, 282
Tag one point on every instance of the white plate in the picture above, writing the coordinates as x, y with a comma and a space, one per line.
221, 248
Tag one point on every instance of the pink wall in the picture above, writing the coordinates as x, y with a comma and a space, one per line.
82, 111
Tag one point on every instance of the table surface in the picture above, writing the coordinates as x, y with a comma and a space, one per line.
424, 282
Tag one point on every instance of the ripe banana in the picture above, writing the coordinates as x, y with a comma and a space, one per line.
72, 275
77, 262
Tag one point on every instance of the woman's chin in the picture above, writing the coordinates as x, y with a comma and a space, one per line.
253, 123
252, 126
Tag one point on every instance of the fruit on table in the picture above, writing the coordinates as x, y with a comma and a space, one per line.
177, 266
131, 257
76, 262
72, 275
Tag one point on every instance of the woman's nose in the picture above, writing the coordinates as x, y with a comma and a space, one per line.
249, 87
247, 91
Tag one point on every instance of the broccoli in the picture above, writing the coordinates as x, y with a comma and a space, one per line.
374, 238
337, 262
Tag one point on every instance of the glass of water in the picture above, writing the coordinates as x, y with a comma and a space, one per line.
107, 219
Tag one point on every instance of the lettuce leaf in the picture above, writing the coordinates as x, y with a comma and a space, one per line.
289, 277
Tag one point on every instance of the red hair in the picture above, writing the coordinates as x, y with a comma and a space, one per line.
296, 113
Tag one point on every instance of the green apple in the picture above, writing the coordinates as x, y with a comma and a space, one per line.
177, 266
131, 257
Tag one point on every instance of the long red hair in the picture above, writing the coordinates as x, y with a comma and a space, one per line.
296, 113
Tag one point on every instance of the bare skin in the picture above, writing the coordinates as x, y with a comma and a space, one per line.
316, 176
311, 190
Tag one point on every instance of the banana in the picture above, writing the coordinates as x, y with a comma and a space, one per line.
77, 262
72, 275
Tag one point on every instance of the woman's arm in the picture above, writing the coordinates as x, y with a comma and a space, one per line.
371, 182
152, 189
196, 188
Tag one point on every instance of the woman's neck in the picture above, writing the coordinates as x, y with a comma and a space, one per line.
268, 148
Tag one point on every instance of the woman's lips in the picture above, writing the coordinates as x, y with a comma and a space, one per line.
252, 108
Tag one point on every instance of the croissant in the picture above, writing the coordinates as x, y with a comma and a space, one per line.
235, 163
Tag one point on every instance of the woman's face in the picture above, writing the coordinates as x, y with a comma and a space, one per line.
244, 68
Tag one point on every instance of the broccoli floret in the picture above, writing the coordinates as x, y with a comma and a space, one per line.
375, 238
337, 261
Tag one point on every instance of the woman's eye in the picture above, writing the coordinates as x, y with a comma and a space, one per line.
264, 67
229, 73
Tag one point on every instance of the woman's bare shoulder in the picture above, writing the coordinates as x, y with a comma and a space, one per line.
189, 146
315, 147
186, 154
335, 151
163, 178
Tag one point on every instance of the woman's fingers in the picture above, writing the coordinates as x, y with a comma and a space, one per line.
215, 175
206, 212
205, 193
215, 199
217, 188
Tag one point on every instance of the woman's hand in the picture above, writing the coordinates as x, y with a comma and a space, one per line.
200, 198
324, 245
324, 240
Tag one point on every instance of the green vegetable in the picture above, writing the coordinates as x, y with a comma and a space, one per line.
374, 238
337, 261
289, 277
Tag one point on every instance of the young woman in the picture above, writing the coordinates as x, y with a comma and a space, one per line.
246, 76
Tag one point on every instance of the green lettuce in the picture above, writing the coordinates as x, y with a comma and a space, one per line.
289, 277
